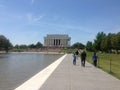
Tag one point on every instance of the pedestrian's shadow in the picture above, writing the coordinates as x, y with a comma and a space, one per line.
88, 66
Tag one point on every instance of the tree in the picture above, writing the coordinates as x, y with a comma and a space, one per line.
23, 46
78, 45
31, 46
118, 41
5, 43
39, 45
109, 45
89, 46
104, 44
115, 41
97, 42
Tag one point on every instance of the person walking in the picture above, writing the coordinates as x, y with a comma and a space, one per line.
77, 53
74, 59
83, 58
95, 58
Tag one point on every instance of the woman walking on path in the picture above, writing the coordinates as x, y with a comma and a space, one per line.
83, 58
95, 58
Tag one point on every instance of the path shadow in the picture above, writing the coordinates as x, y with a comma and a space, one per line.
88, 66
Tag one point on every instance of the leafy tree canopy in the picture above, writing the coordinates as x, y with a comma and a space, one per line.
5, 43
78, 45
89, 46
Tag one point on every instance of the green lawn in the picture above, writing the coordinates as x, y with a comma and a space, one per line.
104, 63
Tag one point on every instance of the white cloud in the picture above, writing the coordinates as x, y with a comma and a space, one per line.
32, 18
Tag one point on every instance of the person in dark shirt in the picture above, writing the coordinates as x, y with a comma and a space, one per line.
83, 58
77, 53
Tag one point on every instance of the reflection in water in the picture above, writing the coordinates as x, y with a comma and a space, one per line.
16, 68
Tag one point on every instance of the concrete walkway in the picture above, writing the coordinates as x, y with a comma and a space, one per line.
69, 77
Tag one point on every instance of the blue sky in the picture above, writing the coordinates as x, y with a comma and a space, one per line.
28, 21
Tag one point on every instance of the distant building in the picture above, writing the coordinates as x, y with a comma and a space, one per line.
57, 40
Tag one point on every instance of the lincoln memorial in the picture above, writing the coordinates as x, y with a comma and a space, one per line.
57, 40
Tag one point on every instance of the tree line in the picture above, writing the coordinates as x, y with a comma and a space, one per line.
105, 42
6, 45
30, 46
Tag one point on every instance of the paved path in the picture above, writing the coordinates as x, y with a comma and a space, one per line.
69, 77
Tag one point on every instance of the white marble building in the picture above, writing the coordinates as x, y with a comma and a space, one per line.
57, 40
